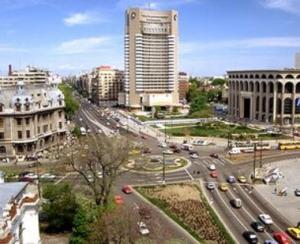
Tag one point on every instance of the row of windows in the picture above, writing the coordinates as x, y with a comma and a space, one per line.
264, 76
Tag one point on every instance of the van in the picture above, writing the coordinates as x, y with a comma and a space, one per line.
235, 151
236, 203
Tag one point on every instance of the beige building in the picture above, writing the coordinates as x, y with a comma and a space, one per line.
151, 46
30, 75
31, 119
269, 96
107, 83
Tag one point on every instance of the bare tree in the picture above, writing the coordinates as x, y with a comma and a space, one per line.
99, 159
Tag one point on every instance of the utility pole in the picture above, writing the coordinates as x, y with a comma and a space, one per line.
164, 163
260, 155
254, 162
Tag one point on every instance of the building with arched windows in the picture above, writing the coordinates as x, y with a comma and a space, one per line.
270, 96
32, 119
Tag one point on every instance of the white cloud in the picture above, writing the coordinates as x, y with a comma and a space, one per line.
82, 19
291, 6
267, 42
83, 45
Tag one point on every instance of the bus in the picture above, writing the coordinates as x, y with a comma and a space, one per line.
289, 145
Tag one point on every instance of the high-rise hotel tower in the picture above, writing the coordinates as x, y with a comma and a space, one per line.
151, 39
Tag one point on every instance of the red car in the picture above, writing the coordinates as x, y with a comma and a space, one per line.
127, 189
119, 200
214, 174
214, 155
281, 237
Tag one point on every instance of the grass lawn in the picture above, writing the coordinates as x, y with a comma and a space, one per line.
214, 129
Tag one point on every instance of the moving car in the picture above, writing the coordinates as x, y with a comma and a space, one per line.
194, 155
212, 167
214, 155
242, 179
231, 179
236, 202
48, 177
294, 232
270, 242
265, 218
258, 226
143, 228
297, 192
168, 152
223, 187
214, 174
127, 189
200, 143
281, 237
163, 144
250, 236
210, 185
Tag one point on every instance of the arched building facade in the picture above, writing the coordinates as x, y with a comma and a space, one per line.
270, 96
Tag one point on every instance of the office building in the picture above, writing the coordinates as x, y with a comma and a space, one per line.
19, 221
151, 50
30, 75
107, 83
268, 96
32, 119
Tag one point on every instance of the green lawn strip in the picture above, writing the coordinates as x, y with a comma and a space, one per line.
164, 206
216, 219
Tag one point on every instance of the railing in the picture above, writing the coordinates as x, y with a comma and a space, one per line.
179, 121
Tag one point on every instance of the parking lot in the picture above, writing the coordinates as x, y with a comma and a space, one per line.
288, 205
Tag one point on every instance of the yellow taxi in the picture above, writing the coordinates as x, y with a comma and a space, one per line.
242, 179
294, 232
223, 187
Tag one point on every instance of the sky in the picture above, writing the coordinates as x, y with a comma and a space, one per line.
70, 36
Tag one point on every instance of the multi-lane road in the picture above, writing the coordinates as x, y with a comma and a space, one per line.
237, 220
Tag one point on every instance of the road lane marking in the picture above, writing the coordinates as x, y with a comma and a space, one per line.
260, 210
189, 174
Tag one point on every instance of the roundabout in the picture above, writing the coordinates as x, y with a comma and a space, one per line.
156, 163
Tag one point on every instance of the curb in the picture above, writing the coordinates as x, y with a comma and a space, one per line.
170, 220
217, 213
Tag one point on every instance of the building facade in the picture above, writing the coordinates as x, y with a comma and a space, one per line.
183, 85
269, 96
106, 84
31, 75
32, 119
19, 221
151, 40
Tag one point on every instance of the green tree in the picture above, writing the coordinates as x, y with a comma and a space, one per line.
198, 103
76, 131
71, 105
193, 92
60, 207
218, 82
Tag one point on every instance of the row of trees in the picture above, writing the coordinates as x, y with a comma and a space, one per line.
71, 104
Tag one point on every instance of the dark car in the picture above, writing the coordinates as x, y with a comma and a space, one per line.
297, 192
214, 155
258, 226
173, 146
176, 150
250, 236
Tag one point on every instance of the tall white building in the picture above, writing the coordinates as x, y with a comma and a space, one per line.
151, 40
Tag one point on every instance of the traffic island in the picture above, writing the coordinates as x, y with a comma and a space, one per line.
186, 205
155, 164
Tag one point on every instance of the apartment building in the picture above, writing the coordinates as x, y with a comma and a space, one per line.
84, 83
19, 221
31, 119
106, 84
30, 75
269, 96
183, 85
151, 50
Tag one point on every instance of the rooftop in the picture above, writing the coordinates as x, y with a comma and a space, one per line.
9, 191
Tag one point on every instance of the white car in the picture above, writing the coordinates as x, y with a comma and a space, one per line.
143, 228
265, 218
194, 155
48, 176
200, 143
212, 167
163, 144
169, 152
31, 176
